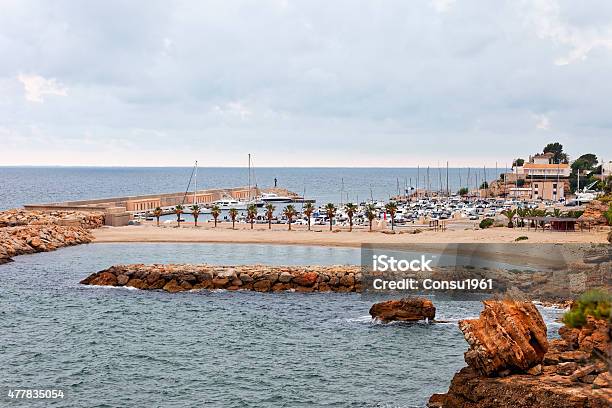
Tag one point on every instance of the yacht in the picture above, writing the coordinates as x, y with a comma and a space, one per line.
227, 203
275, 198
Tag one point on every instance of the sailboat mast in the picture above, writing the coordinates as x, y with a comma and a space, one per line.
195, 184
249, 178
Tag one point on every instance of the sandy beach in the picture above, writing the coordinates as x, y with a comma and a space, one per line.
320, 235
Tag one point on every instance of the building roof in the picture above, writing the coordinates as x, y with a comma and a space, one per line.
545, 166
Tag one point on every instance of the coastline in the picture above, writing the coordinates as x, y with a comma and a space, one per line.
321, 236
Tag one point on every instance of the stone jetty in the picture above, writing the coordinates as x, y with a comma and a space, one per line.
406, 309
26, 232
260, 278
511, 364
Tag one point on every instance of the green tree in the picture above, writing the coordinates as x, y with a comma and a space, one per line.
350, 210
195, 211
215, 211
391, 208
289, 212
556, 149
463, 191
251, 213
233, 213
518, 163
270, 214
586, 162
178, 210
308, 210
370, 213
510, 215
484, 185
330, 210
157, 212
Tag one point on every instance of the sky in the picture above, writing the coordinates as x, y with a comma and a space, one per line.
303, 83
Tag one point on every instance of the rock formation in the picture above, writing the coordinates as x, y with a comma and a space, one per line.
508, 335
594, 213
407, 309
26, 232
573, 372
260, 278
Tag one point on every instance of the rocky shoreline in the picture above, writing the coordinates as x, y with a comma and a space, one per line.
25, 232
512, 364
260, 278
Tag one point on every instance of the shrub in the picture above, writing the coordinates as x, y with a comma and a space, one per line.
595, 303
608, 215
486, 223
522, 238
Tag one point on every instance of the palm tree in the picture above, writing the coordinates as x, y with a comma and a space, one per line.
556, 213
350, 209
233, 213
195, 211
510, 214
157, 212
270, 213
308, 210
391, 208
370, 213
330, 210
178, 210
215, 211
289, 212
522, 213
251, 213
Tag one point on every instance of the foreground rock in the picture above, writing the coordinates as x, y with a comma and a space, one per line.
260, 278
26, 232
407, 309
20, 217
508, 335
39, 238
573, 372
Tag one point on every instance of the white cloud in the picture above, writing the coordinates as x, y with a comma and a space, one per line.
442, 6
234, 108
542, 122
549, 23
36, 86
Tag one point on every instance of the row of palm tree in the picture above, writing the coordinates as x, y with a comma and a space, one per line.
290, 212
522, 213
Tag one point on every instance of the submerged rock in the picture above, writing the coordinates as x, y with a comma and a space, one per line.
407, 309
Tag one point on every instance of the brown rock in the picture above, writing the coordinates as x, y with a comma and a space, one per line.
566, 368
262, 285
105, 279
577, 355
136, 283
507, 335
172, 287
306, 279
603, 380
220, 283
407, 309
122, 279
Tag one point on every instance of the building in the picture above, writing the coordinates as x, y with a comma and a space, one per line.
547, 190
545, 171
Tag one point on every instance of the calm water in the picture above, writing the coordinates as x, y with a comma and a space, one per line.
25, 185
110, 347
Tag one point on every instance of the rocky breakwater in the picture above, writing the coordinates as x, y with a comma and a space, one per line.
406, 310
260, 278
512, 364
19, 217
26, 232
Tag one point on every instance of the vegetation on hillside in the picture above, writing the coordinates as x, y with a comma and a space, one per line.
595, 303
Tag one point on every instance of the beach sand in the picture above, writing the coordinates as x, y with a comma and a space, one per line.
320, 235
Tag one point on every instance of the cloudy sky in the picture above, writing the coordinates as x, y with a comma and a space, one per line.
303, 83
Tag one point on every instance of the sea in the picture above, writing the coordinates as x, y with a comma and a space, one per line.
118, 347
30, 185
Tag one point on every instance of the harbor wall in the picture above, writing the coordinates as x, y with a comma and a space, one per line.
260, 278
